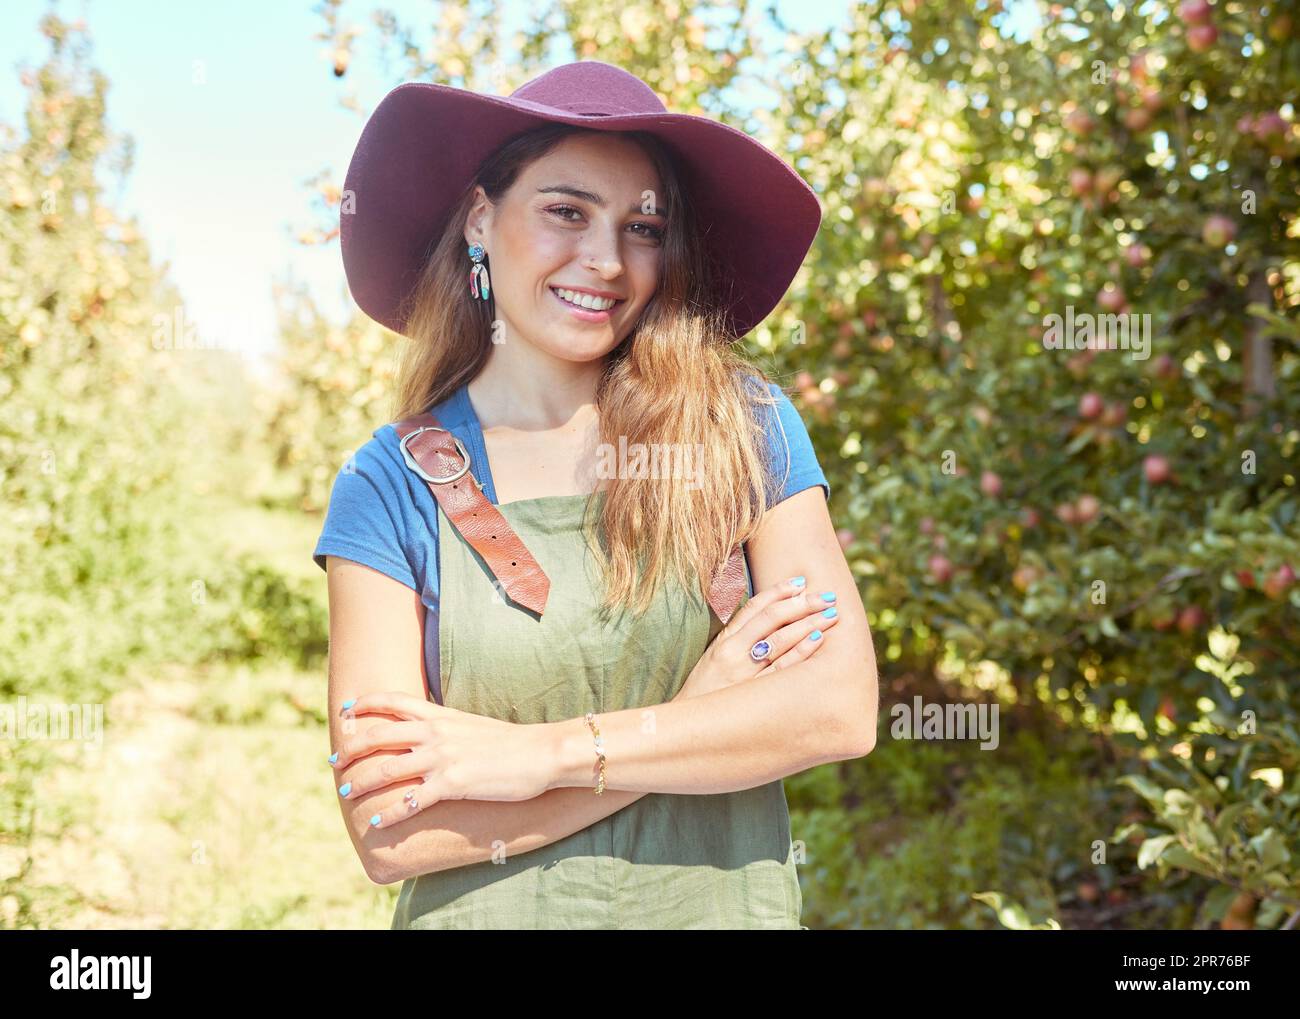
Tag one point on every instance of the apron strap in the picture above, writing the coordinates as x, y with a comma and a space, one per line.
435, 454
440, 458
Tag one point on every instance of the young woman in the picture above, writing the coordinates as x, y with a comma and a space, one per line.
572, 265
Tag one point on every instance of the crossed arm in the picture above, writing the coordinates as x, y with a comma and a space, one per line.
821, 710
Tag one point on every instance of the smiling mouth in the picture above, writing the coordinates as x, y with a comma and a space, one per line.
581, 307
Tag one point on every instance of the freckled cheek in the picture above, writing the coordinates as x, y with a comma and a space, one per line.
536, 251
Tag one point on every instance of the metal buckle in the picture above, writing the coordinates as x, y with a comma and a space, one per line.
412, 463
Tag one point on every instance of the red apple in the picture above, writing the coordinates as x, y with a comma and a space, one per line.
1137, 67
1086, 508
1137, 119
1137, 255
1078, 122
1219, 231
1246, 579
926, 525
1111, 298
1279, 581
940, 568
1191, 619
1029, 517
1023, 577
1066, 513
1156, 468
1201, 37
1077, 364
1091, 405
1165, 367
1195, 12
845, 537
1270, 124
1151, 99
1080, 181
990, 484
1114, 415
1166, 709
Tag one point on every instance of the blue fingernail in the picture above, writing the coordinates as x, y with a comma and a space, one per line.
831, 612
798, 581
374, 821
334, 757
345, 788
348, 703
815, 635
828, 596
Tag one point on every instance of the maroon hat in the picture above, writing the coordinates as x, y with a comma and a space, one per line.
424, 143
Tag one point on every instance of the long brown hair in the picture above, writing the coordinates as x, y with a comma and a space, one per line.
675, 379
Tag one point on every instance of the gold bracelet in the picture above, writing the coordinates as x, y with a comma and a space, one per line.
600, 751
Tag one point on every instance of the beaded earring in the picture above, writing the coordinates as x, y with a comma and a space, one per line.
479, 285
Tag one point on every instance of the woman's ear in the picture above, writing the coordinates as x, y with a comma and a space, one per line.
479, 221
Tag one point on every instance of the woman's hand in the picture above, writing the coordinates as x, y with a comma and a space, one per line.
785, 616
450, 755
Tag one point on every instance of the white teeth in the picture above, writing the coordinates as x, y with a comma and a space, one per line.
585, 300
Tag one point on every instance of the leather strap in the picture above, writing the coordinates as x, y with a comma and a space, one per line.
439, 454
434, 452
729, 585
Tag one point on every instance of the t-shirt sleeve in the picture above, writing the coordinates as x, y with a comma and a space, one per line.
365, 522
794, 462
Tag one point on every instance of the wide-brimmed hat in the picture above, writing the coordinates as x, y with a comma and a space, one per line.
424, 143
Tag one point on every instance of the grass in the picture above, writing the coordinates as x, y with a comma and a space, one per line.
209, 803
202, 811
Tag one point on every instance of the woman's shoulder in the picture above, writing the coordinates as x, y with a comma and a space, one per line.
791, 457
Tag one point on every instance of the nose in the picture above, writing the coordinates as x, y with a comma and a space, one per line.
601, 253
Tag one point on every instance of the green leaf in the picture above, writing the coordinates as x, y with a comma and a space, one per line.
1152, 849
1145, 788
1271, 849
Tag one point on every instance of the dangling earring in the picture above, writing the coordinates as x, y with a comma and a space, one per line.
479, 286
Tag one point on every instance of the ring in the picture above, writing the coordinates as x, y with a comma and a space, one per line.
414, 803
760, 650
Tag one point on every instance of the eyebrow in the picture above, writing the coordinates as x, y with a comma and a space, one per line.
573, 191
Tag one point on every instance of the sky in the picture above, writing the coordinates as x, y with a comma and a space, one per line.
232, 106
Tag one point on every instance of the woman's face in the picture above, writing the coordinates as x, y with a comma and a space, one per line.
573, 221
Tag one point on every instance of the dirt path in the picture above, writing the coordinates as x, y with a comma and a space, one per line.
119, 839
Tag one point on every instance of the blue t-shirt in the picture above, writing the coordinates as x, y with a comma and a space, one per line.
383, 515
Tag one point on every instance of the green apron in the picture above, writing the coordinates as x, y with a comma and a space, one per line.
666, 861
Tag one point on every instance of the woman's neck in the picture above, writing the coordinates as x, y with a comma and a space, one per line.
503, 397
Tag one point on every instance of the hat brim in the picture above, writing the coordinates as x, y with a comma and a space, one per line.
424, 142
